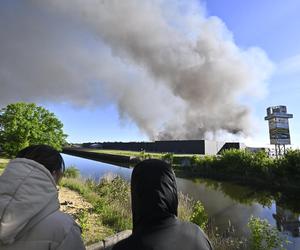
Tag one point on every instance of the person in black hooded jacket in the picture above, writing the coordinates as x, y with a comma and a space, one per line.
154, 203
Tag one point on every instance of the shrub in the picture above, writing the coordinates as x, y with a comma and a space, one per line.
72, 172
142, 155
199, 216
195, 160
113, 189
168, 157
264, 236
114, 203
289, 164
236, 161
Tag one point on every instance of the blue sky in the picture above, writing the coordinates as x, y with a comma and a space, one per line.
273, 26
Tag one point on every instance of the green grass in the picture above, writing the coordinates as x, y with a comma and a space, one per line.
133, 153
111, 201
109, 198
174, 159
71, 172
3, 163
123, 152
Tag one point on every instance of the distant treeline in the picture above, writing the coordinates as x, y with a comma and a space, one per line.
252, 168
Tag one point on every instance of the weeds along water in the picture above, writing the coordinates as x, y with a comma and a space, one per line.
110, 200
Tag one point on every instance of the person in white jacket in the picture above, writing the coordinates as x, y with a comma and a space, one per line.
29, 206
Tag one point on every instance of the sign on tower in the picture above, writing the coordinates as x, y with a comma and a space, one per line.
279, 127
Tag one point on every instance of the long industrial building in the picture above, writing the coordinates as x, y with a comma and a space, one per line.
204, 147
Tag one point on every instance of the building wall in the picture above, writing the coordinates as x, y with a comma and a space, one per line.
177, 147
213, 147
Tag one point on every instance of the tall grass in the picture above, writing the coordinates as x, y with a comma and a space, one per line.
109, 198
72, 172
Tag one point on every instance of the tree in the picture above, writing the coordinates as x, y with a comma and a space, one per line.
24, 124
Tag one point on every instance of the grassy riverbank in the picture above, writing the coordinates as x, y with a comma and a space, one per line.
110, 204
110, 198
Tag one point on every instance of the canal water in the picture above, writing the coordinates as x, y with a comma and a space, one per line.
226, 204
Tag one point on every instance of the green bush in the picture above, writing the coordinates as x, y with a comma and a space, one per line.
236, 161
142, 155
264, 236
114, 204
113, 188
71, 172
289, 164
168, 157
199, 216
195, 160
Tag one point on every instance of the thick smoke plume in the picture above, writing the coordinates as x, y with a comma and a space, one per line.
168, 67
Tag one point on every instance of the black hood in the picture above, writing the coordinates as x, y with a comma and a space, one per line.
153, 193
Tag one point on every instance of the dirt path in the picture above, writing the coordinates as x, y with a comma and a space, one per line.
73, 204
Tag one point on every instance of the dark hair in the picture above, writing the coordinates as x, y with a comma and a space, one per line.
45, 155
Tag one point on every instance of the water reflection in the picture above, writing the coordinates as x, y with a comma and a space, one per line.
224, 208
249, 196
287, 221
94, 169
226, 202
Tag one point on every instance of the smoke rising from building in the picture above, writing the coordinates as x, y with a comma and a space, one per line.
169, 68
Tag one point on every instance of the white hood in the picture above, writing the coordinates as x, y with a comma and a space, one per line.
27, 195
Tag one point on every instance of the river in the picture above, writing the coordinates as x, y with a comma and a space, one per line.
225, 203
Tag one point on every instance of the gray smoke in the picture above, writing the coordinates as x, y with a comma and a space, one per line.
170, 69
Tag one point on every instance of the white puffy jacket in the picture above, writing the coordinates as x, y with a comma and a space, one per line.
29, 210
